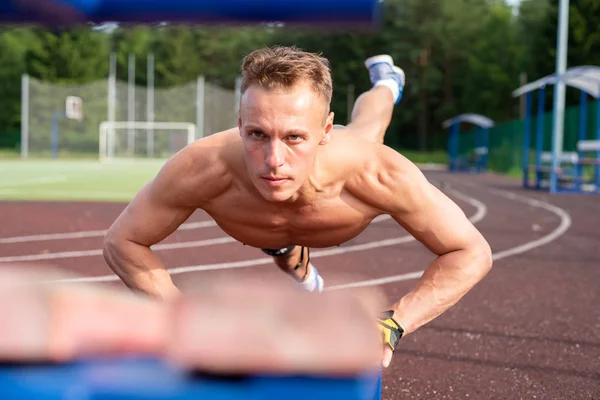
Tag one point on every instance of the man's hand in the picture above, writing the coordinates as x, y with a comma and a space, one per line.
44, 320
391, 332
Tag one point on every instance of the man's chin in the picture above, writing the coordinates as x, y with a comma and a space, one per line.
276, 196
275, 193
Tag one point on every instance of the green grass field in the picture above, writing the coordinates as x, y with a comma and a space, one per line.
72, 178
76, 180
428, 157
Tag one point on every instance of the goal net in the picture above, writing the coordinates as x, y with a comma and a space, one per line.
140, 139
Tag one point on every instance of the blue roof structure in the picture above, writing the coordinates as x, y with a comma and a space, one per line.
475, 119
585, 78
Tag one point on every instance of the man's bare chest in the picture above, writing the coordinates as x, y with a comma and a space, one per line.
328, 221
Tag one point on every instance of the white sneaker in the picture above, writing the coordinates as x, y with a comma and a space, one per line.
382, 68
314, 282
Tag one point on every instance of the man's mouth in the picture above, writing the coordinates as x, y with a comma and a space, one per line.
274, 180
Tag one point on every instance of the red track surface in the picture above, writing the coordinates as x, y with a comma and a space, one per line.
530, 329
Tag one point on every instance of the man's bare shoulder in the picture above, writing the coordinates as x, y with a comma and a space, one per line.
382, 177
348, 151
201, 171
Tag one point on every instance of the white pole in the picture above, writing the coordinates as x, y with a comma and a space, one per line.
238, 95
25, 116
349, 103
238, 99
150, 105
559, 90
131, 103
200, 107
102, 141
112, 101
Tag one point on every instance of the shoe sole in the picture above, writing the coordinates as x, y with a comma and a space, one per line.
369, 62
400, 72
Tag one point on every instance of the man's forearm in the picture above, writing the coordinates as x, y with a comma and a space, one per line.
139, 268
442, 285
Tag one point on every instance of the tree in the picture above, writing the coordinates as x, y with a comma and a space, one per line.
14, 44
75, 55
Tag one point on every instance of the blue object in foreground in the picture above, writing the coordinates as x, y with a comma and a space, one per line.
150, 379
326, 12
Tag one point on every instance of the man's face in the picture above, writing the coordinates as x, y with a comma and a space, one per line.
281, 132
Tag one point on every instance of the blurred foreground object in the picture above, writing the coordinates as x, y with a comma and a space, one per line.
309, 12
151, 379
222, 339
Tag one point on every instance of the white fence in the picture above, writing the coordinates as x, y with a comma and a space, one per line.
45, 130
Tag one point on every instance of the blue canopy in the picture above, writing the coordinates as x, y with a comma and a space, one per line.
475, 119
585, 78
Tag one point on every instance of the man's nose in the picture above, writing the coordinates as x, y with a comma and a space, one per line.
275, 154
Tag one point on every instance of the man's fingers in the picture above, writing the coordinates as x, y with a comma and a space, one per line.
251, 326
57, 322
387, 357
247, 326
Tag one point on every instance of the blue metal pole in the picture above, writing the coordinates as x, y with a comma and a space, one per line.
526, 139
539, 137
54, 138
453, 146
477, 144
596, 166
582, 135
486, 145
457, 145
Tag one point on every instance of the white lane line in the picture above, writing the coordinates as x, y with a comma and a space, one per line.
167, 246
479, 214
565, 223
35, 181
98, 252
186, 226
379, 281
100, 233
479, 206
87, 234
74, 194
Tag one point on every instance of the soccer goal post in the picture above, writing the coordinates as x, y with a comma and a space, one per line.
143, 139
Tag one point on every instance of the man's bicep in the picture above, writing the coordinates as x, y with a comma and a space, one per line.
151, 216
435, 220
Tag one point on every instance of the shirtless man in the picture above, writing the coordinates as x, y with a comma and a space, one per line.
285, 180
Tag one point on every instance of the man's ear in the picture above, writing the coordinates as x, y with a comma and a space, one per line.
328, 128
240, 125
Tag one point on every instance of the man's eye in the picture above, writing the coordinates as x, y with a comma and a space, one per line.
295, 138
257, 134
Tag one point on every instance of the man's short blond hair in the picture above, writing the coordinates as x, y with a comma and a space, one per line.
283, 67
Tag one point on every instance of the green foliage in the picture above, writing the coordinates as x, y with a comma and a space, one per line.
459, 56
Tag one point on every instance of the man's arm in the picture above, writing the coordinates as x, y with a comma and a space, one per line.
464, 256
156, 212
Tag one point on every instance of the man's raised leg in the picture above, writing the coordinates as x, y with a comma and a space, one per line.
295, 261
373, 109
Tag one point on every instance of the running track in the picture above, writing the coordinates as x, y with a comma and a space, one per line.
530, 329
